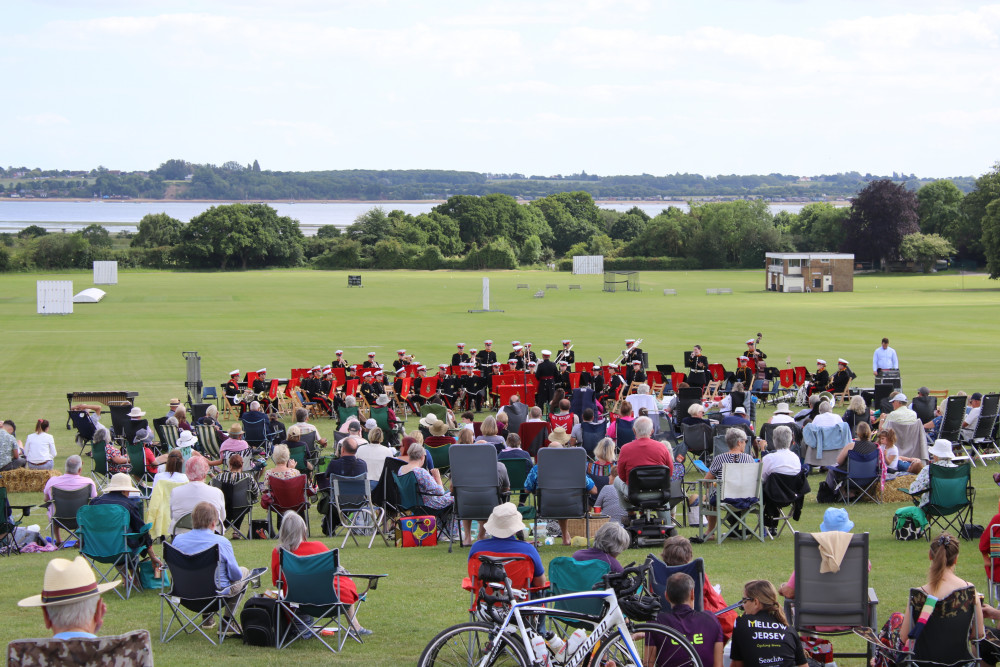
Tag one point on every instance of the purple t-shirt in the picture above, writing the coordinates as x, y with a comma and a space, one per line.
597, 554
701, 628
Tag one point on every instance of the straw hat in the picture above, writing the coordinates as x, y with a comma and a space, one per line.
942, 449
136, 412
174, 402
559, 435
782, 409
121, 481
66, 582
438, 427
504, 521
429, 420
235, 430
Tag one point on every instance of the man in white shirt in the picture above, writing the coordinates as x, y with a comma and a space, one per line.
643, 399
374, 455
884, 358
185, 497
972, 417
826, 416
782, 415
782, 461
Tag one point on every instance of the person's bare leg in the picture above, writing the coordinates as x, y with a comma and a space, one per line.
563, 524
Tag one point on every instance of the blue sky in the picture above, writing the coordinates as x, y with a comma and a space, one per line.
610, 87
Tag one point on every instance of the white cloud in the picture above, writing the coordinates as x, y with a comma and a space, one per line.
46, 119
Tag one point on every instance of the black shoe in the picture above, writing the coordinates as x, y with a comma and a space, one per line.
697, 540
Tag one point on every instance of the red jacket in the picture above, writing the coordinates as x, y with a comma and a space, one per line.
643, 452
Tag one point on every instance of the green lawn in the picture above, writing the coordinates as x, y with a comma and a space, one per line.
941, 325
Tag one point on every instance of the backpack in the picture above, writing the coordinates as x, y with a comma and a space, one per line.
909, 523
259, 620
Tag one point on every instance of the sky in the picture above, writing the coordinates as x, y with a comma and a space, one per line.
534, 87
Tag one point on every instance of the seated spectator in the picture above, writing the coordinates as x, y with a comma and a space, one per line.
610, 541
608, 503
971, 419
234, 443
856, 412
900, 413
826, 416
576, 435
780, 645
643, 399
11, 456
701, 628
117, 459
893, 461
860, 448
235, 475
625, 414
782, 461
534, 414
984, 549
531, 483
292, 538
782, 415
173, 469
70, 481
810, 412
502, 421
677, 551
184, 498
737, 418
432, 494
71, 602
40, 447
144, 437
696, 415
643, 451
211, 418
503, 526
348, 464
438, 433
490, 433
374, 454
404, 448
512, 449
605, 455
180, 413
940, 454
117, 493
466, 437
726, 404
284, 464
736, 441
230, 575
302, 421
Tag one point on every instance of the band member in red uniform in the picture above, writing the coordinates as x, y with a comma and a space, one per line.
371, 363
566, 354
755, 360
339, 361
743, 372
233, 390
415, 400
562, 377
261, 387
635, 373
546, 374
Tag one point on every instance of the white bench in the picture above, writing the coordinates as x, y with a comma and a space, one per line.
725, 290
552, 287
576, 286
522, 286
669, 292
712, 290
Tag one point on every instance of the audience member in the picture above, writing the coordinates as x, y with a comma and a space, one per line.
184, 498
504, 524
610, 541
11, 457
531, 483
71, 602
701, 628
893, 461
971, 419
782, 461
607, 502
940, 454
677, 551
752, 644
233, 476
117, 492
173, 469
71, 480
40, 447
374, 454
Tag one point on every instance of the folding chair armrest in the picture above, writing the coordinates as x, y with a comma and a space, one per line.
535, 591
144, 530
371, 579
255, 573
25, 510
872, 608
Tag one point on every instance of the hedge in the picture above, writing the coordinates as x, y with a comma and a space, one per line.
639, 264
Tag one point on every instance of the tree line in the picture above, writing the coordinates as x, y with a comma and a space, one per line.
235, 181
886, 222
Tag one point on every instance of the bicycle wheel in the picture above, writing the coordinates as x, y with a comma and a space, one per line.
466, 644
657, 645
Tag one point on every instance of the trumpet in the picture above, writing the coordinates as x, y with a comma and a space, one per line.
563, 351
627, 352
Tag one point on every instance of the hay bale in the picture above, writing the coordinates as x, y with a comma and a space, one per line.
890, 494
24, 480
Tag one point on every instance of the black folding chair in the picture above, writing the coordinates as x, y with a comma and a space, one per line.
474, 481
562, 486
239, 505
65, 506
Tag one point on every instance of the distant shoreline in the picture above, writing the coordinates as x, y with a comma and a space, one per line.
380, 202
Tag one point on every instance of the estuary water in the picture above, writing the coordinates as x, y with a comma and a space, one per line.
56, 216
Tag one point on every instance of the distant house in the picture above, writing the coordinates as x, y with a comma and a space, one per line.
809, 272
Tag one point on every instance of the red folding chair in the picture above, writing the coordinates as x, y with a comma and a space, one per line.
574, 380
534, 436
520, 571
584, 367
289, 495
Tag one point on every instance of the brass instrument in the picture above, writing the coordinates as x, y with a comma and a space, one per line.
563, 351
245, 397
625, 353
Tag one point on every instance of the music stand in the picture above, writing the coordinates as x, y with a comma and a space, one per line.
665, 369
688, 359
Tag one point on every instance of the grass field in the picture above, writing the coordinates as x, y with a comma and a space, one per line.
942, 326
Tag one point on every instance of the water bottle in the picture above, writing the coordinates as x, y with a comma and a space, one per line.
557, 647
541, 651
575, 639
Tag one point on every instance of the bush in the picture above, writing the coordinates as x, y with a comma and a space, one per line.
639, 264
497, 254
430, 259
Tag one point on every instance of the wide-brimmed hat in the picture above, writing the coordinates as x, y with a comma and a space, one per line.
186, 439
941, 449
136, 412
236, 429
900, 397
428, 420
383, 399
438, 428
66, 582
504, 521
559, 435
739, 411
826, 396
782, 409
143, 435
174, 402
836, 518
121, 481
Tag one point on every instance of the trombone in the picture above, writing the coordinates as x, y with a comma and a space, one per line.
626, 352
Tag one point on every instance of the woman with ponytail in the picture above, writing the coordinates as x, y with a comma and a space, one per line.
761, 635
948, 601
40, 447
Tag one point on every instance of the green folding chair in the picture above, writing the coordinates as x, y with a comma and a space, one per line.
568, 575
104, 535
952, 498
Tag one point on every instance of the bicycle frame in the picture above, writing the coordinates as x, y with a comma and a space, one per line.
613, 618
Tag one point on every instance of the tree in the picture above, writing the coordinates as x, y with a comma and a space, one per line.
256, 167
173, 170
925, 249
939, 207
157, 230
495, 216
370, 227
882, 213
567, 229
98, 236
969, 234
31, 232
991, 238
629, 226
328, 232
819, 227
242, 232
531, 251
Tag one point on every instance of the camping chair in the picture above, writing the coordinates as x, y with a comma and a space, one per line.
351, 498
119, 417
474, 481
781, 491
132, 648
952, 415
952, 498
299, 454
562, 487
184, 524
520, 570
591, 434
982, 440
924, 406
158, 509
345, 413
8, 525
239, 505
911, 439
994, 574
410, 503
568, 575
832, 600
442, 459
289, 495
103, 532
624, 432
659, 572
85, 428
194, 598
65, 506
208, 441
168, 435
309, 598
534, 436
517, 471
257, 432
99, 469
767, 433
862, 478
697, 441
137, 459
738, 500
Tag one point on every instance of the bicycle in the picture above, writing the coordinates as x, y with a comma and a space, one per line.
510, 627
